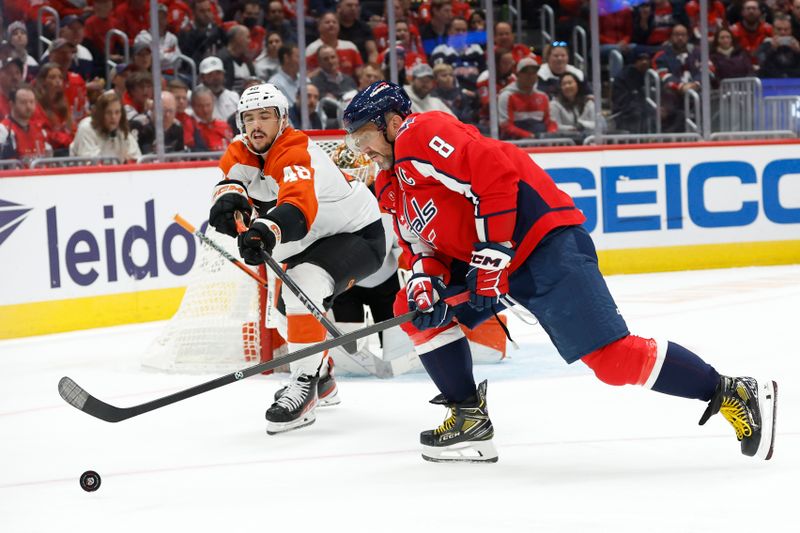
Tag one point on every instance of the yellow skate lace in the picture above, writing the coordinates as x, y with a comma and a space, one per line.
448, 424
734, 412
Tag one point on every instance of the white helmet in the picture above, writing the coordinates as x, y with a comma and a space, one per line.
260, 97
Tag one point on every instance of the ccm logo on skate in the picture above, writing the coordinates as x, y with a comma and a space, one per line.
85, 254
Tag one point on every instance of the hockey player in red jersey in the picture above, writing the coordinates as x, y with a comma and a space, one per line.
477, 213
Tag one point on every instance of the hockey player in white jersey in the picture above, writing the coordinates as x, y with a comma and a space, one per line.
301, 209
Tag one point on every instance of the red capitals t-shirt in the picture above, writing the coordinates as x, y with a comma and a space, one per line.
452, 188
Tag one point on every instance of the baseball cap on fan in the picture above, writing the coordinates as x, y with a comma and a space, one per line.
422, 70
211, 64
527, 62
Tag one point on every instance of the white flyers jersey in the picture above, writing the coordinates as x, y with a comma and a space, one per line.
296, 170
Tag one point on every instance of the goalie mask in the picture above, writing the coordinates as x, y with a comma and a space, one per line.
257, 97
358, 166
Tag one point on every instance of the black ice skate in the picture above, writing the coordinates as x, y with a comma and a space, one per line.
327, 390
465, 436
750, 408
295, 407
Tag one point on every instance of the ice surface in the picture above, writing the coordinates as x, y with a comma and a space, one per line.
575, 455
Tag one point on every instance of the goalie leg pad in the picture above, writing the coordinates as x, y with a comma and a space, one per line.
630, 360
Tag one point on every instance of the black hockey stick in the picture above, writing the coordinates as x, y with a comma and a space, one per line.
76, 396
274, 266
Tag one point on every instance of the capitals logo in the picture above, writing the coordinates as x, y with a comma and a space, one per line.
421, 218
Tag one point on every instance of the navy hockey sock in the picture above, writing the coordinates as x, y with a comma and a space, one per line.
450, 368
685, 374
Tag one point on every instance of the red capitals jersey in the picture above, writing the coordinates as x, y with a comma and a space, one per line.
451, 188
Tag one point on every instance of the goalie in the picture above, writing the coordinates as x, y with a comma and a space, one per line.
300, 209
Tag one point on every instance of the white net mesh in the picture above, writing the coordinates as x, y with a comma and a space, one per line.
216, 327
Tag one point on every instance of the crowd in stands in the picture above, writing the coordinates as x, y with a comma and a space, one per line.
65, 102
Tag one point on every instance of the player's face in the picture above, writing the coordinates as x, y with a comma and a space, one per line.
261, 127
369, 140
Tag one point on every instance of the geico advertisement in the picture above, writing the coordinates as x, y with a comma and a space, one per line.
682, 196
77, 235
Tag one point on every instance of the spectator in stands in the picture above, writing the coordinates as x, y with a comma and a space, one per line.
728, 58
420, 91
82, 62
628, 106
505, 41
133, 16
97, 26
287, 79
236, 62
403, 13
523, 111
572, 109
212, 76
477, 22
18, 37
678, 66
251, 15
796, 19
467, 60
180, 91
105, 132
314, 113
368, 75
412, 54
402, 68
138, 103
781, 53
349, 57
462, 102
62, 53
642, 27
210, 134
556, 56
53, 112
168, 47
20, 137
10, 79
173, 130
353, 29
435, 32
751, 30
505, 65
275, 22
665, 15
330, 81
717, 18
267, 63
616, 27
204, 37
141, 58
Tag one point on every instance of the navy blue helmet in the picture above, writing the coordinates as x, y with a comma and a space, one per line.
372, 104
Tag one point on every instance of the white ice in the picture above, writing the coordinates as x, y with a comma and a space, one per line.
575, 455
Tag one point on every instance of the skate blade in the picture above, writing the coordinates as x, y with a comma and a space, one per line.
463, 452
768, 401
274, 428
330, 401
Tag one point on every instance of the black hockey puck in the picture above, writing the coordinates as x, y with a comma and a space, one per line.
90, 481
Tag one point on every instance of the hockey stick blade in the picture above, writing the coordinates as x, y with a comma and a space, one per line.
78, 397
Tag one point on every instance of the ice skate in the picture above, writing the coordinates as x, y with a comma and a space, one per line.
750, 407
327, 390
465, 436
295, 406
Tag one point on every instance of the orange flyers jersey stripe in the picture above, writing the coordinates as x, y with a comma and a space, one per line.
304, 329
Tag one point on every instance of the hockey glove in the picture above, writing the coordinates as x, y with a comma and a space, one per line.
259, 239
487, 277
229, 196
423, 292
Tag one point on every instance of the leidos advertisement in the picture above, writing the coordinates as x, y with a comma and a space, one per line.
90, 248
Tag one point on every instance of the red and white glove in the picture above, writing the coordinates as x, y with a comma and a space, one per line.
487, 277
424, 294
